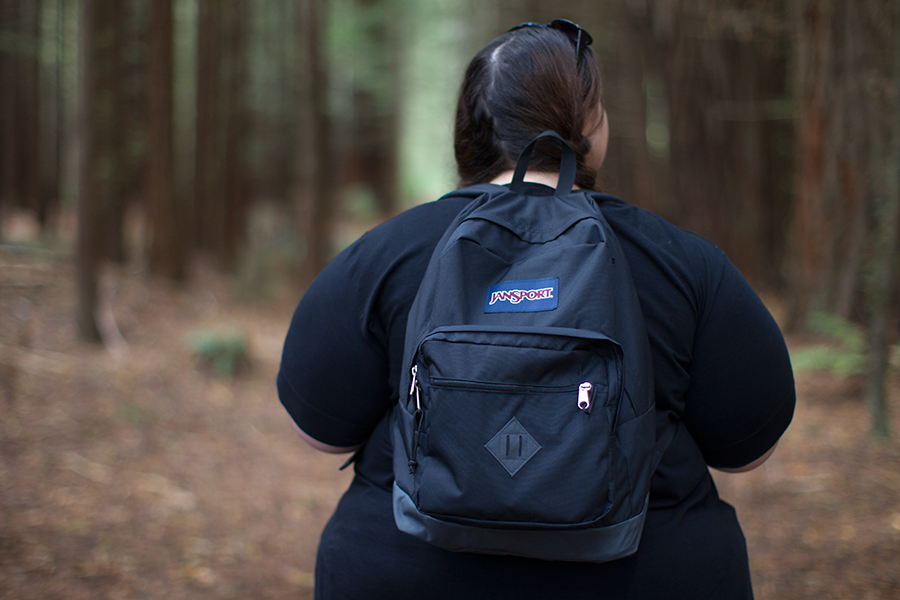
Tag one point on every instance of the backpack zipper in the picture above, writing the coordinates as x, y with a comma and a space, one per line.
446, 382
584, 396
417, 418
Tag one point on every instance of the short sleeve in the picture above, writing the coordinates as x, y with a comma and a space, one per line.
333, 376
339, 371
741, 397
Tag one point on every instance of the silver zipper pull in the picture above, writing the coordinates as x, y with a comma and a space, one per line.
414, 388
584, 396
417, 419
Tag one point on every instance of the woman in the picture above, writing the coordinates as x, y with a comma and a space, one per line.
721, 368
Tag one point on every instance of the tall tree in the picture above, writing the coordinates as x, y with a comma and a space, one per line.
846, 219
886, 238
830, 217
316, 196
18, 69
168, 251
697, 97
285, 52
235, 200
29, 102
51, 116
376, 90
220, 180
813, 223
724, 82
208, 164
8, 79
108, 124
116, 126
635, 103
90, 228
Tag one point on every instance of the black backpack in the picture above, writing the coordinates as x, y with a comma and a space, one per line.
529, 428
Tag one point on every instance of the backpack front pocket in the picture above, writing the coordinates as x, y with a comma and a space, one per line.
518, 425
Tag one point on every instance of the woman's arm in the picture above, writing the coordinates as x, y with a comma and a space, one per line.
741, 394
759, 461
322, 447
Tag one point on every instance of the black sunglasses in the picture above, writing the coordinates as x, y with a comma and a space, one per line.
574, 32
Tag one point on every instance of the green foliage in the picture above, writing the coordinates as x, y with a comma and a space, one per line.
841, 329
262, 268
360, 203
271, 254
137, 414
223, 350
843, 354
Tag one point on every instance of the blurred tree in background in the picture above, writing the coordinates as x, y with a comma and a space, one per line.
172, 127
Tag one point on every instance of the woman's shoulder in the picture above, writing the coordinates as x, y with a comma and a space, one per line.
655, 238
649, 226
421, 222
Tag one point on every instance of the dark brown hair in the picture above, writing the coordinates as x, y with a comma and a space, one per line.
521, 84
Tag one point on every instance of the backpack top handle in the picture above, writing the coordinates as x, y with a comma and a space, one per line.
566, 166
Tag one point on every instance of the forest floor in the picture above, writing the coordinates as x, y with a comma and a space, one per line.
134, 473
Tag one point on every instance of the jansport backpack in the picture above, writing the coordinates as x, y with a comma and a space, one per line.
529, 428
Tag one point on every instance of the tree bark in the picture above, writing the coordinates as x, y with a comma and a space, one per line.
51, 122
89, 244
167, 256
208, 174
235, 201
852, 250
717, 127
10, 154
374, 136
220, 178
29, 105
630, 170
116, 125
317, 201
829, 228
887, 251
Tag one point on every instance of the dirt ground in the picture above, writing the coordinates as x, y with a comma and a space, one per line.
134, 473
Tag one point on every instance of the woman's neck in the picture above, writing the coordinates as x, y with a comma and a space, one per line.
548, 179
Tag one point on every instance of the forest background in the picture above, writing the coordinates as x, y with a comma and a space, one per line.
164, 140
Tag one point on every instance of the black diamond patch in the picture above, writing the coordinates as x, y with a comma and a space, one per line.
513, 446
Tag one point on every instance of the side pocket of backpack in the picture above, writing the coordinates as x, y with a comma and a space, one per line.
405, 454
634, 443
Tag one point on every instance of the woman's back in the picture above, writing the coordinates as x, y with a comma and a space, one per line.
711, 340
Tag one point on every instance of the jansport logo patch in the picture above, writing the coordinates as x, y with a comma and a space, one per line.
523, 296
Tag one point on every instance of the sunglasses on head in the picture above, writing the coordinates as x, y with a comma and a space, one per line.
579, 36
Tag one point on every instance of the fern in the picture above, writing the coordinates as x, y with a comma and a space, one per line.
222, 349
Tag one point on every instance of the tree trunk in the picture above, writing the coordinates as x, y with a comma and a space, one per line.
116, 68
712, 121
887, 251
852, 171
317, 200
374, 134
10, 153
828, 236
29, 104
167, 255
51, 121
285, 48
208, 174
630, 170
234, 203
89, 245
220, 187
